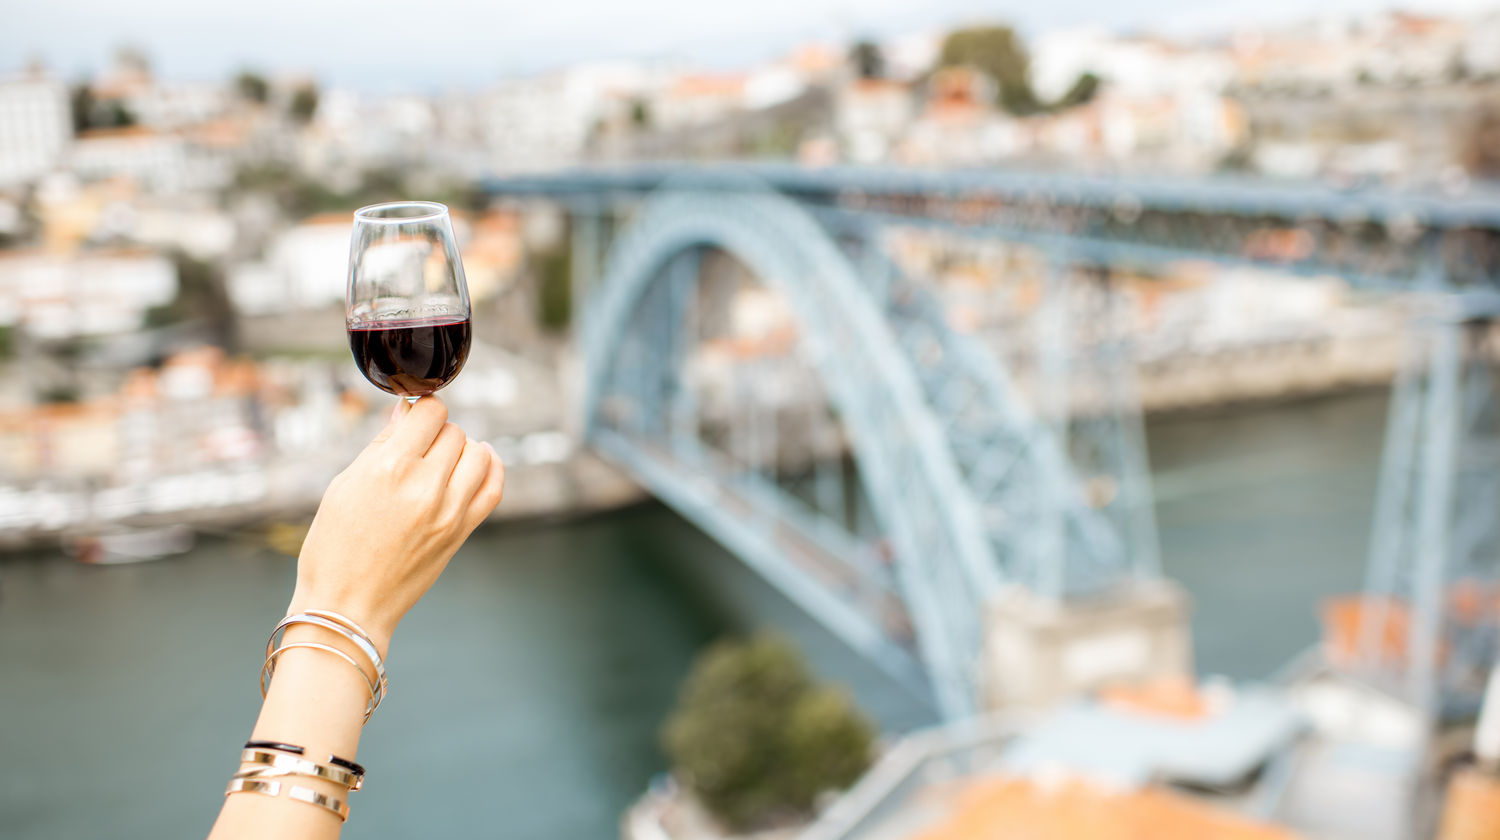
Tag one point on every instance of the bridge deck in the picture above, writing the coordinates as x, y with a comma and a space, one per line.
804, 565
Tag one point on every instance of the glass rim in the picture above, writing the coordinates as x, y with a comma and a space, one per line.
433, 210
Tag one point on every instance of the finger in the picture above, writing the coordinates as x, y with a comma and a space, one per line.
469, 473
446, 448
397, 412
419, 427
489, 493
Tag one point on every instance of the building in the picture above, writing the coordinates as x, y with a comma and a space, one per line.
698, 99
89, 293
168, 106
547, 121
36, 126
1393, 96
959, 124
160, 161
307, 267
870, 115
1161, 104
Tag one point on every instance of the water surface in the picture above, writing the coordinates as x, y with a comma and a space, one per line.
527, 688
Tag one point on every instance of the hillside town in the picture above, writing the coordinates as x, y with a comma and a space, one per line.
172, 253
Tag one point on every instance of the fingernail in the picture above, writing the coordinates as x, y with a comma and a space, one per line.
493, 453
396, 411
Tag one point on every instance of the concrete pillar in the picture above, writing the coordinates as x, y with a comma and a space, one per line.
1039, 651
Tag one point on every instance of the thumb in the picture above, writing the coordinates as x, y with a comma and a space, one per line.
398, 411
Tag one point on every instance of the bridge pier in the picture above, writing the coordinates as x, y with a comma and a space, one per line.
1039, 651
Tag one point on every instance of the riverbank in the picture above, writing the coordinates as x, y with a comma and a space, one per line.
551, 476
580, 484
1271, 374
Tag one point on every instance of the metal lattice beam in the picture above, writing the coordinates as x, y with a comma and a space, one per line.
917, 494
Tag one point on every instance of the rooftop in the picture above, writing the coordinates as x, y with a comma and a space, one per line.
1022, 809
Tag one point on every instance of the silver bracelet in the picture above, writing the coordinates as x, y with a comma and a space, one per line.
268, 670
344, 627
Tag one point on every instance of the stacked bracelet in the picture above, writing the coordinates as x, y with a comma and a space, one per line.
342, 626
265, 764
352, 766
272, 761
284, 765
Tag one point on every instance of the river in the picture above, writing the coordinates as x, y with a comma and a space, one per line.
527, 688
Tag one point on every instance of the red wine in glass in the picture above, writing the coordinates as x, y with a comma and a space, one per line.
407, 310
410, 358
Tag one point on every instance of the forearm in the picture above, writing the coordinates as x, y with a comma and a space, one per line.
316, 701
386, 528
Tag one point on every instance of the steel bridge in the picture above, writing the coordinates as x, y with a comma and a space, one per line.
770, 351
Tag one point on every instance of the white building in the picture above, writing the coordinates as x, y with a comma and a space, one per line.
1136, 67
176, 105
92, 293
870, 115
35, 127
355, 132
202, 232
545, 122
164, 162
307, 268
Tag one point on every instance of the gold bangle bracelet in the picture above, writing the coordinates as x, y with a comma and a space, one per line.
268, 670
337, 807
287, 765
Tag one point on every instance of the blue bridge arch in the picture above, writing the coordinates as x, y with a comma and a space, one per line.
948, 556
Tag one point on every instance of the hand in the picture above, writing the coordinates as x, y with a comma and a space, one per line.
389, 523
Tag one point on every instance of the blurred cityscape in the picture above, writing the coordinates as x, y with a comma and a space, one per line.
173, 262
143, 218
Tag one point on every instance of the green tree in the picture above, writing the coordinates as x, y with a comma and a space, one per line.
554, 279
117, 115
640, 114
89, 111
81, 101
868, 60
998, 52
1082, 92
252, 87
304, 102
202, 297
757, 740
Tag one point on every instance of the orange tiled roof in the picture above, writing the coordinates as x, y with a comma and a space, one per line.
815, 58
1344, 621
345, 219
1172, 697
1019, 809
872, 86
223, 133
702, 84
117, 132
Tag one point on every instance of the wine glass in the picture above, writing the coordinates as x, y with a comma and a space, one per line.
407, 310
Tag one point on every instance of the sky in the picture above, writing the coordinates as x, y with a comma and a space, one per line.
430, 45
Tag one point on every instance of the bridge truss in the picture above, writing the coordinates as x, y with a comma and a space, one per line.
968, 470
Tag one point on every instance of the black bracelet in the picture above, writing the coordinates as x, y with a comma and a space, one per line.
274, 745
352, 766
